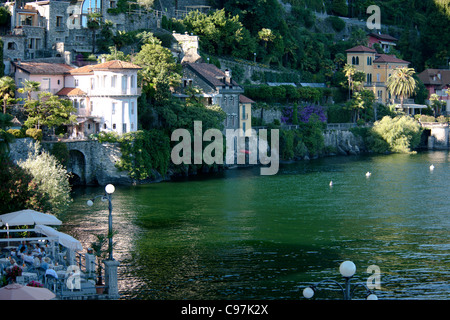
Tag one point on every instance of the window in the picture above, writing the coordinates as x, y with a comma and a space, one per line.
104, 126
92, 105
113, 81
132, 82
45, 84
369, 78
378, 77
124, 127
75, 104
124, 83
114, 126
11, 46
59, 21
243, 111
369, 61
132, 126
82, 104
113, 111
132, 107
92, 83
357, 60
243, 126
77, 82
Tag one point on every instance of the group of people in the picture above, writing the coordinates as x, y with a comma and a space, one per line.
34, 257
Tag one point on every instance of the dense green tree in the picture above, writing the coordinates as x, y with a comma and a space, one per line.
51, 178
7, 88
49, 110
157, 63
400, 135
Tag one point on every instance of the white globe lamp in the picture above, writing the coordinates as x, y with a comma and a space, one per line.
347, 269
308, 292
110, 189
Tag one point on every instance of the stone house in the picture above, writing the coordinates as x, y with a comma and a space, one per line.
218, 88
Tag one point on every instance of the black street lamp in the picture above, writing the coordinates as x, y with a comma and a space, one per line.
109, 190
347, 270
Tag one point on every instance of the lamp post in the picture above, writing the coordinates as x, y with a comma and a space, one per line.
347, 270
109, 190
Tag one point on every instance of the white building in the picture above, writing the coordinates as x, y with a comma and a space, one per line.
105, 96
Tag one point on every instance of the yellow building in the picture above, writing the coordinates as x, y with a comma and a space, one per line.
377, 67
245, 114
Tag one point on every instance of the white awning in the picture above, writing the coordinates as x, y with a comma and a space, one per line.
63, 238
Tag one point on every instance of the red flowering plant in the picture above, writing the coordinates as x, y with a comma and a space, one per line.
36, 284
14, 272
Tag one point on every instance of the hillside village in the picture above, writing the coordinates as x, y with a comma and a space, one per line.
62, 49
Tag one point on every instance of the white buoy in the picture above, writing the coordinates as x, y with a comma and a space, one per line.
331, 183
431, 168
368, 174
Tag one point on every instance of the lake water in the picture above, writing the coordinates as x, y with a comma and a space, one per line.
239, 235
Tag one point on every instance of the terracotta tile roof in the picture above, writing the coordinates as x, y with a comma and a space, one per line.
385, 58
361, 49
385, 37
71, 92
43, 67
210, 73
431, 77
244, 99
108, 65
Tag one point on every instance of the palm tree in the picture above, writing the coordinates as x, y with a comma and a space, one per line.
29, 87
7, 89
401, 83
349, 71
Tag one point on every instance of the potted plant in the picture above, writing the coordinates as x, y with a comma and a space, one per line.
98, 248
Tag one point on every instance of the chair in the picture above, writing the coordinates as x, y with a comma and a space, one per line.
50, 281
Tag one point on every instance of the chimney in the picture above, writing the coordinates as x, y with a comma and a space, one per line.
227, 76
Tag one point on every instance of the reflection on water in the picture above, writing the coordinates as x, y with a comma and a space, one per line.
239, 235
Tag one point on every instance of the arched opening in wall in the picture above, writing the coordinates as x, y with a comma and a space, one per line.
74, 180
426, 134
76, 165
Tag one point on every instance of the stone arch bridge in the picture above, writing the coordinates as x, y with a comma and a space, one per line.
91, 163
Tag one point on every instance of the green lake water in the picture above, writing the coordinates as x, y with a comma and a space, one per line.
240, 235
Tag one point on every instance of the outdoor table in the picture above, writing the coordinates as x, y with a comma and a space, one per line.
29, 276
59, 267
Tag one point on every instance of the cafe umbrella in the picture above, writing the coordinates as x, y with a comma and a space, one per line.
15, 291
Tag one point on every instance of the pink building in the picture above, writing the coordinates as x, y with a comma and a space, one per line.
437, 81
384, 40
51, 76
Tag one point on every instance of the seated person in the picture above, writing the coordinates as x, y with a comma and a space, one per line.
28, 258
45, 263
51, 271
